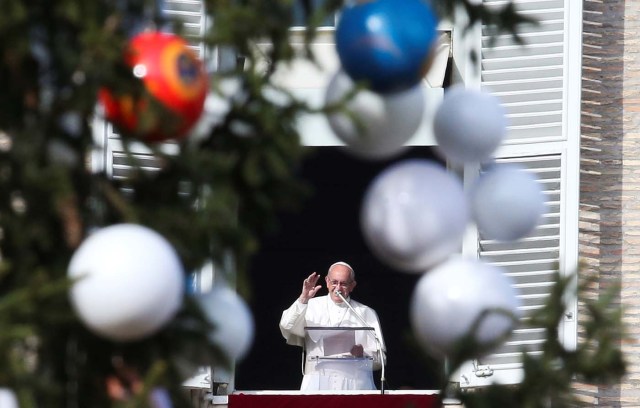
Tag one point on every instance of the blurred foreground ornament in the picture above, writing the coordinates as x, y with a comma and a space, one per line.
6, 142
173, 75
382, 123
468, 125
387, 43
459, 298
506, 202
232, 320
414, 215
130, 282
8, 399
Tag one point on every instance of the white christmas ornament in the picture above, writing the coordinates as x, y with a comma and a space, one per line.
383, 123
232, 319
507, 202
8, 399
469, 125
130, 282
460, 295
414, 215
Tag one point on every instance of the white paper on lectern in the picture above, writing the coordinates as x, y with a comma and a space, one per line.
340, 342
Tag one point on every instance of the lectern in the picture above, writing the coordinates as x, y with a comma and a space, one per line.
329, 364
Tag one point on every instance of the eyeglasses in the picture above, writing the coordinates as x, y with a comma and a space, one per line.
338, 283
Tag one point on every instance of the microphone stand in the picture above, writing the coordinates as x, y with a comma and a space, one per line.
375, 336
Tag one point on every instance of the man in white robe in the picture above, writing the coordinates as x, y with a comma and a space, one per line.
335, 359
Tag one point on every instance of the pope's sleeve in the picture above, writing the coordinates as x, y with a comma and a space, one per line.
292, 323
374, 321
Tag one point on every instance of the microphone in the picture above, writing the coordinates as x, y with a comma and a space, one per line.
375, 337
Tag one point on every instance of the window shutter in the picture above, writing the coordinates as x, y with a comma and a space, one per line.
191, 13
539, 86
529, 79
118, 161
530, 263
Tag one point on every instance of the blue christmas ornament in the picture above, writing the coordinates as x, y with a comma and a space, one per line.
386, 42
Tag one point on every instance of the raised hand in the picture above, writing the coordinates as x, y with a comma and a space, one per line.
309, 287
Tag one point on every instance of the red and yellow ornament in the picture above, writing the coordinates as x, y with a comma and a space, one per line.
173, 75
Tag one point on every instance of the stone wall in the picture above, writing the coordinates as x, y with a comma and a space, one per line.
610, 173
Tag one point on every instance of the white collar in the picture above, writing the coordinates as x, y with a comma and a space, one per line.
341, 304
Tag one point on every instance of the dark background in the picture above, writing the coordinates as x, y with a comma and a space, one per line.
326, 230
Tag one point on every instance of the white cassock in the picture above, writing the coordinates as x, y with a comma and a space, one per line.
340, 371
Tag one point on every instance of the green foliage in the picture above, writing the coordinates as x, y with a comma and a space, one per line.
214, 199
